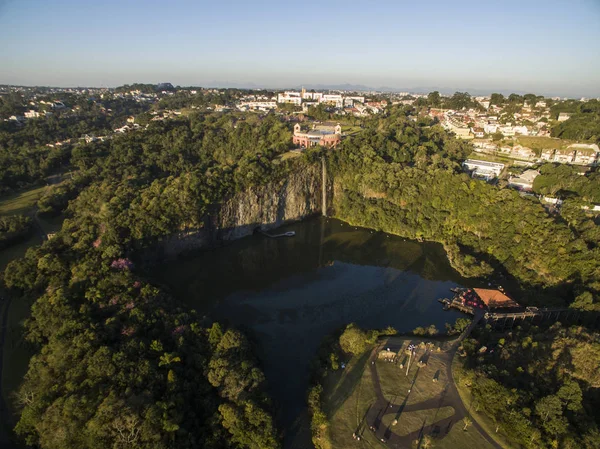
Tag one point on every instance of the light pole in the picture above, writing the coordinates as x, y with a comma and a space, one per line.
411, 349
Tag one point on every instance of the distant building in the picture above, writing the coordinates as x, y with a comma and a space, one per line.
524, 181
462, 131
257, 105
290, 97
507, 131
32, 114
585, 154
483, 169
478, 132
490, 128
333, 99
521, 130
564, 156
547, 154
521, 152
564, 116
324, 135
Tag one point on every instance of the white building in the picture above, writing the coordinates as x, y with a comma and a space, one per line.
483, 169
32, 114
333, 99
290, 97
523, 181
507, 131
490, 128
257, 105
521, 130
564, 116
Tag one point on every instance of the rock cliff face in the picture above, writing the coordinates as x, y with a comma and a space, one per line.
271, 205
264, 207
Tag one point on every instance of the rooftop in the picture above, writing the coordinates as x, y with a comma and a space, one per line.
495, 298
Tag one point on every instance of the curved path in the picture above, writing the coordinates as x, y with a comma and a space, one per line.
448, 398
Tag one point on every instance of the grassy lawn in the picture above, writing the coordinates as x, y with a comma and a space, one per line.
349, 394
350, 130
289, 155
20, 202
395, 383
482, 419
409, 422
488, 157
542, 143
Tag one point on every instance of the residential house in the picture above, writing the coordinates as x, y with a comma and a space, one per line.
586, 154
478, 132
564, 156
521, 130
490, 128
507, 131
547, 154
32, 114
462, 131
521, 152
524, 181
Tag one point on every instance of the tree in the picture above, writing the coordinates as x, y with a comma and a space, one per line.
353, 340
427, 442
434, 99
497, 99
571, 396
548, 407
467, 422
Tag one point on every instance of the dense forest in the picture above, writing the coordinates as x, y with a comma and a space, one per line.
398, 177
567, 182
24, 156
13, 229
584, 122
539, 385
121, 365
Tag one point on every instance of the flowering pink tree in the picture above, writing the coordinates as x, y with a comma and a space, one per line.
122, 264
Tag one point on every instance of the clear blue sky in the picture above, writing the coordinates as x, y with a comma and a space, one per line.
550, 46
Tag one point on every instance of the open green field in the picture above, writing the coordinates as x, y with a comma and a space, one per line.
412, 421
350, 395
289, 155
543, 143
350, 129
20, 202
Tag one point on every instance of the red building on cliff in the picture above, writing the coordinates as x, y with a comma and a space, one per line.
324, 135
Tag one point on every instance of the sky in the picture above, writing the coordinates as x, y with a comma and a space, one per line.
549, 47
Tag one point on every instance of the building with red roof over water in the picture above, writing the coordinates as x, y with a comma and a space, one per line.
495, 299
484, 298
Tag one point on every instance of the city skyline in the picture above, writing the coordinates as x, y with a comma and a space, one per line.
525, 46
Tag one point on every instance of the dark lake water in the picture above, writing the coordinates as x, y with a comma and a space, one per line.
289, 293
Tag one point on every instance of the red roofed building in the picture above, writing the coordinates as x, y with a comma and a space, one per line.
495, 299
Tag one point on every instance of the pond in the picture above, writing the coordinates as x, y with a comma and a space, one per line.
288, 293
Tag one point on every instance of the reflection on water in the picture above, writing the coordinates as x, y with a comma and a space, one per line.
289, 293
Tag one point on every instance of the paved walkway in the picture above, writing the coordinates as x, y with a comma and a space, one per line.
448, 398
